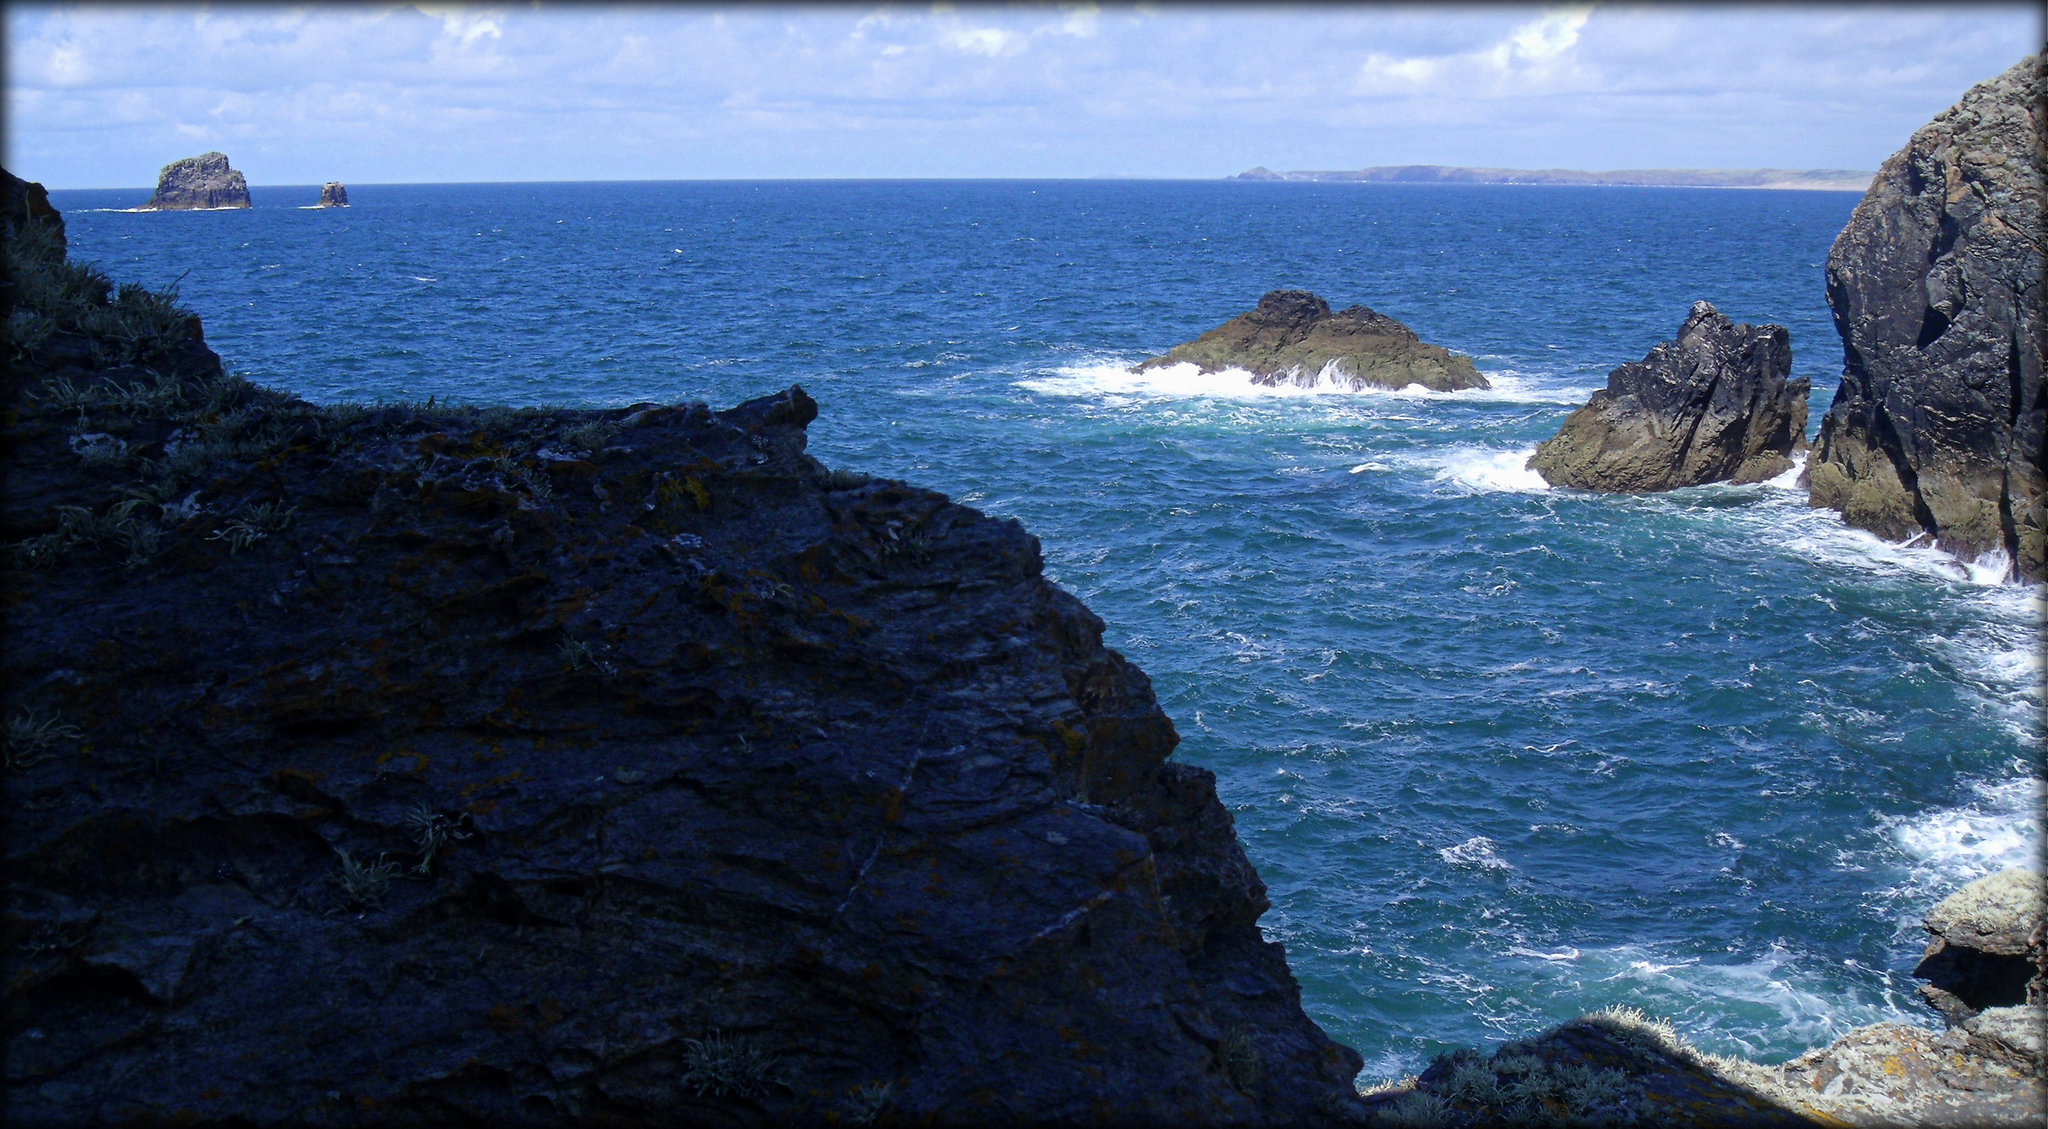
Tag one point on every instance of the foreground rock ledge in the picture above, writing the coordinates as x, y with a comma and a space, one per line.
1712, 406
201, 183
408, 764
1293, 337
1937, 430
1619, 1067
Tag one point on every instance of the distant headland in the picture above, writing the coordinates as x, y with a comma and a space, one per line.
1837, 180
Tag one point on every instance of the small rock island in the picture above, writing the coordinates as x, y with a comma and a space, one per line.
202, 183
333, 195
1713, 406
1292, 337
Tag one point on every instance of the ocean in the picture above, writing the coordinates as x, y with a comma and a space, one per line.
1503, 754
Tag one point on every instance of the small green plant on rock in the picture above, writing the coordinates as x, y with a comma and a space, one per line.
31, 737
253, 526
727, 1066
364, 884
867, 1102
431, 831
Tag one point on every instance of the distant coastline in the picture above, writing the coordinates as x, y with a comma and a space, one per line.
1830, 180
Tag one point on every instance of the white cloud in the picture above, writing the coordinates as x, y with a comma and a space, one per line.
104, 95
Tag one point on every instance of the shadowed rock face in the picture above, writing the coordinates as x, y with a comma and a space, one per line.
1935, 283
1712, 406
204, 181
333, 195
1293, 337
1987, 949
414, 765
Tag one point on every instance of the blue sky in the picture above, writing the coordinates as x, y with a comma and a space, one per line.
103, 96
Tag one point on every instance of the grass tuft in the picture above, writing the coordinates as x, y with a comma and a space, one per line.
727, 1066
31, 737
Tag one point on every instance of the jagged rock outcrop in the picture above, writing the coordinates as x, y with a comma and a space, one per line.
24, 201
1715, 405
1618, 1067
333, 195
196, 183
1937, 429
1292, 337
412, 765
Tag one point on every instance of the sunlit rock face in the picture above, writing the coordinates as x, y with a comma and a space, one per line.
1938, 426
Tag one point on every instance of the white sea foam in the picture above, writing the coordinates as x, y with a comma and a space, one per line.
1103, 377
1478, 851
1944, 849
1486, 470
1740, 1004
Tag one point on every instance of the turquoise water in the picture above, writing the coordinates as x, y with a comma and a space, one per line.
1503, 754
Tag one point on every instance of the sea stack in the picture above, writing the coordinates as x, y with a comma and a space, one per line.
199, 183
1937, 428
333, 195
1715, 405
1292, 337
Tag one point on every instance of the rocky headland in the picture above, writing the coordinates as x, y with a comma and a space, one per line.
1292, 337
333, 195
1937, 430
417, 764
1714, 405
201, 183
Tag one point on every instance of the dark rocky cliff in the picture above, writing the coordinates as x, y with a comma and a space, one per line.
421, 764
1938, 426
1714, 405
196, 183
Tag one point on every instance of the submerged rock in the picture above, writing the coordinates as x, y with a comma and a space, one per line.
1937, 428
1292, 337
1715, 405
422, 765
196, 183
333, 195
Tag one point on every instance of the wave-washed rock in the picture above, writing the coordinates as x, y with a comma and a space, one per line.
333, 195
1937, 429
418, 764
1715, 405
198, 183
1292, 337
1619, 1067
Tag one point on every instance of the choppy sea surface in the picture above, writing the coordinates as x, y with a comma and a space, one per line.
1503, 754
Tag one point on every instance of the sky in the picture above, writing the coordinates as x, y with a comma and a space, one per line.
102, 96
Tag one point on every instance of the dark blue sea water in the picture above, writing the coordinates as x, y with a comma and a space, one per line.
1503, 754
